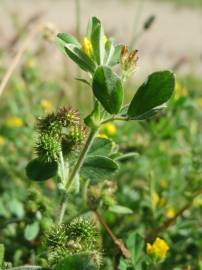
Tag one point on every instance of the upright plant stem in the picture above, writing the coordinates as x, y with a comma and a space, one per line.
76, 170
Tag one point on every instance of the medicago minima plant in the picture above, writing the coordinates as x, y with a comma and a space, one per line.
70, 150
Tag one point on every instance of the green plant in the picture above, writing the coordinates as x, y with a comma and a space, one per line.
69, 150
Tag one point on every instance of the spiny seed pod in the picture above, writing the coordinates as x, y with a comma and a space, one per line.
77, 135
73, 140
80, 236
48, 147
55, 255
49, 124
97, 257
84, 233
68, 117
56, 237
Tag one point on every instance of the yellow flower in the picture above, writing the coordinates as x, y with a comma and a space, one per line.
180, 90
109, 129
170, 212
14, 122
87, 47
46, 105
2, 141
199, 102
158, 249
154, 199
198, 202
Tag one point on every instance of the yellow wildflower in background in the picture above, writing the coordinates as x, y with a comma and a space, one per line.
46, 105
199, 102
14, 122
198, 201
180, 90
158, 249
109, 129
87, 47
2, 141
154, 199
170, 212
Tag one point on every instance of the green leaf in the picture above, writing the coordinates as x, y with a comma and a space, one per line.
63, 38
150, 113
31, 231
115, 59
119, 209
97, 168
107, 88
135, 244
2, 252
154, 92
39, 170
97, 40
78, 261
124, 265
109, 52
101, 147
16, 207
92, 24
93, 119
80, 58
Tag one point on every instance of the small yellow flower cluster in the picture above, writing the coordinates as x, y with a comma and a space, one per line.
14, 122
2, 141
154, 199
180, 90
170, 212
199, 102
87, 47
108, 129
46, 105
158, 249
198, 202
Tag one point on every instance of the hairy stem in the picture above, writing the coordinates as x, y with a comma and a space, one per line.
118, 242
76, 170
116, 118
81, 158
